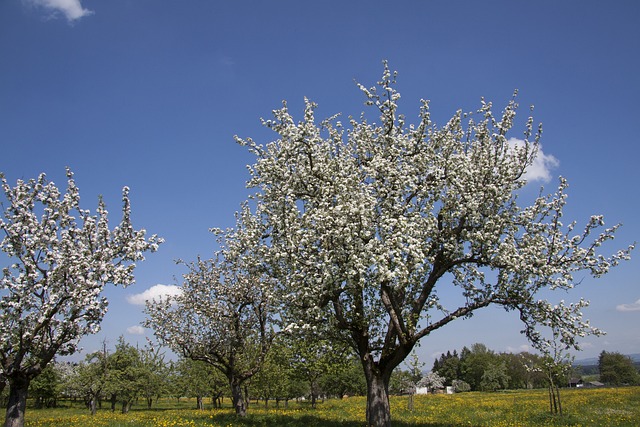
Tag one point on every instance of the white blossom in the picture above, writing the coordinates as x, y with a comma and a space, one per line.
59, 258
223, 314
367, 224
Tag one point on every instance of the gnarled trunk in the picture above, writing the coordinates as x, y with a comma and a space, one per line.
18, 387
378, 409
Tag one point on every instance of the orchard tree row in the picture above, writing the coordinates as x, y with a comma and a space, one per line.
293, 369
353, 230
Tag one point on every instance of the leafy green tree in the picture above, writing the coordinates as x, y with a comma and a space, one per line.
125, 375
474, 362
89, 378
274, 379
494, 376
192, 378
312, 357
521, 370
345, 378
448, 366
46, 387
59, 259
617, 369
154, 372
363, 226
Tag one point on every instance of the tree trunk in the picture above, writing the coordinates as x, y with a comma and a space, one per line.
378, 409
313, 399
199, 403
17, 403
238, 398
559, 402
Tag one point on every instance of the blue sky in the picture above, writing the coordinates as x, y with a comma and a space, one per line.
149, 94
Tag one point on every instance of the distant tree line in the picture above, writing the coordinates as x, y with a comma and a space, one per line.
485, 370
481, 369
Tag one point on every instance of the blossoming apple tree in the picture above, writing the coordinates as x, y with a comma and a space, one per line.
60, 258
224, 314
371, 225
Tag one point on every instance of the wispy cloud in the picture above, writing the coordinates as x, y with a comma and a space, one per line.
156, 292
519, 349
542, 165
72, 9
135, 330
629, 307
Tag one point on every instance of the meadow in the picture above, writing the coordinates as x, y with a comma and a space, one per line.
582, 407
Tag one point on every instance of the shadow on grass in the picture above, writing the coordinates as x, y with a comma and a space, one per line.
306, 420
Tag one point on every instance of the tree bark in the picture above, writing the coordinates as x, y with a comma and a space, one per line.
17, 403
378, 409
238, 398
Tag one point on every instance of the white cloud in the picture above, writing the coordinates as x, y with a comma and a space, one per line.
629, 307
135, 330
519, 349
72, 9
540, 170
153, 293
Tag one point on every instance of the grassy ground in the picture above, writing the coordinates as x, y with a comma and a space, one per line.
583, 407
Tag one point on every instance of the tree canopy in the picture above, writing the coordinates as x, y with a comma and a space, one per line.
60, 257
224, 314
368, 224
617, 369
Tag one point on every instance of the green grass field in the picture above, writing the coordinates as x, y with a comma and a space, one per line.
583, 407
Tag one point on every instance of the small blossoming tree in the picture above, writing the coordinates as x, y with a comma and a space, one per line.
60, 258
368, 226
432, 381
224, 315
